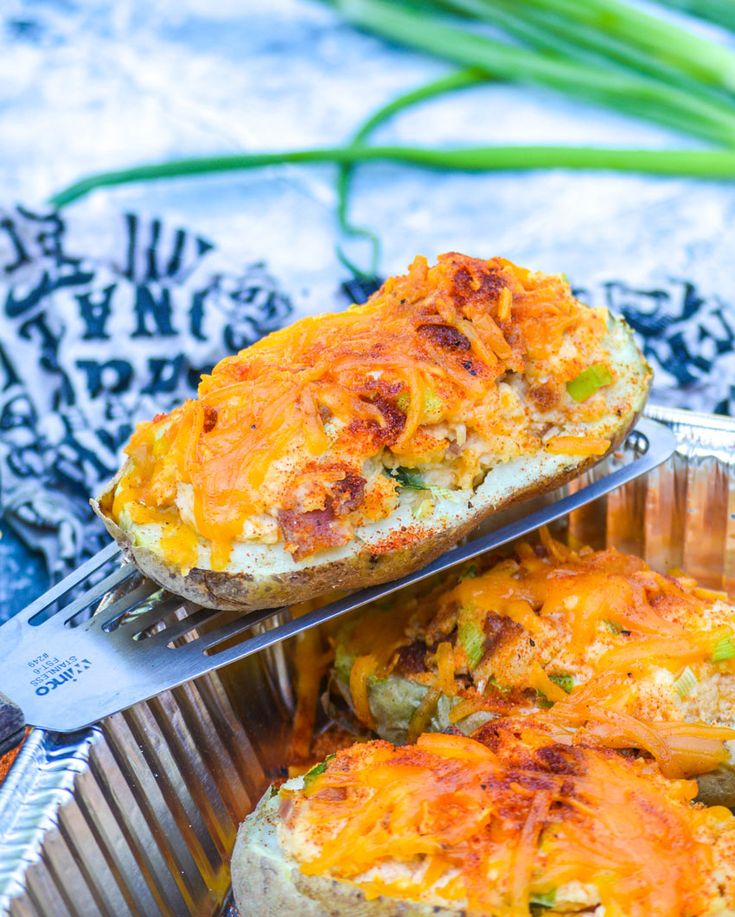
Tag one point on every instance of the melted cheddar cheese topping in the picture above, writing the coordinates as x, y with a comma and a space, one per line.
613, 647
448, 370
520, 814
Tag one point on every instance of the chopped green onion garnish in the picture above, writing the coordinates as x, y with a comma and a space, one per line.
471, 637
504, 689
612, 626
471, 572
408, 477
723, 649
589, 381
432, 406
311, 775
685, 683
565, 682
543, 899
403, 401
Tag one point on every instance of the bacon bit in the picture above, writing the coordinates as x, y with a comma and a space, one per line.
545, 397
210, 419
305, 533
577, 445
411, 659
446, 336
348, 493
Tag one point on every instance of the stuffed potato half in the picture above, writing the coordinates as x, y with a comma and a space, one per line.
597, 639
353, 447
521, 819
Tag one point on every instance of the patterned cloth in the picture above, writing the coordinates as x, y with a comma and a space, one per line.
90, 344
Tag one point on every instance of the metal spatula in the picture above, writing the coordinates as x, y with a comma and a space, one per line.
67, 669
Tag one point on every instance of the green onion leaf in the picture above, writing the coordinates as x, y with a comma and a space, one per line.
724, 649
685, 683
311, 775
471, 636
470, 573
408, 477
543, 899
504, 689
589, 381
612, 626
565, 682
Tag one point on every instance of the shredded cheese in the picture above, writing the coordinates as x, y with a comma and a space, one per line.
430, 348
491, 823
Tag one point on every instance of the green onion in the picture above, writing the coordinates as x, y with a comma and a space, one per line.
710, 164
723, 650
311, 775
632, 93
662, 39
471, 636
504, 689
543, 899
589, 381
565, 682
612, 626
470, 573
408, 477
460, 79
721, 12
685, 683
568, 37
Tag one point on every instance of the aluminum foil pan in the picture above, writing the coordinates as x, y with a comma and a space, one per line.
138, 815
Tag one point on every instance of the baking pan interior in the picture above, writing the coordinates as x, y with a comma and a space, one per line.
138, 816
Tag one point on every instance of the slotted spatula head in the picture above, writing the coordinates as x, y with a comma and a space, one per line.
70, 662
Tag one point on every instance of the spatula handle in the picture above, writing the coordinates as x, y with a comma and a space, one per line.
12, 722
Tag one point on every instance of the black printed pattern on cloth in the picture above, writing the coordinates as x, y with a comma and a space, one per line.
91, 345
688, 338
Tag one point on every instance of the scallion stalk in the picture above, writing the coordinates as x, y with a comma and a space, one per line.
713, 164
663, 40
685, 683
721, 12
723, 650
634, 94
568, 37
460, 79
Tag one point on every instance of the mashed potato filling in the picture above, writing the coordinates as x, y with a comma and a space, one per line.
335, 421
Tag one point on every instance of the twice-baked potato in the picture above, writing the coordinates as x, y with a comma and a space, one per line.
608, 644
521, 819
351, 448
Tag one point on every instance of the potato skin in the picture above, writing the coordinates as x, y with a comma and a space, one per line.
407, 548
266, 882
